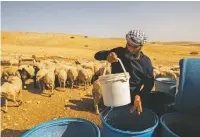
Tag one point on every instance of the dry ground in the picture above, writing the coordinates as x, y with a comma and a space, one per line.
36, 107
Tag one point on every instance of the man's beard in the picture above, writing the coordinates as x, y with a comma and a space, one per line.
132, 55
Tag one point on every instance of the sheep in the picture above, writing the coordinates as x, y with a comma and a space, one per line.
62, 77
96, 68
72, 75
48, 80
16, 61
89, 66
100, 72
61, 66
97, 95
156, 73
36, 59
10, 71
175, 67
39, 78
27, 72
85, 75
168, 73
177, 72
155, 67
37, 66
12, 88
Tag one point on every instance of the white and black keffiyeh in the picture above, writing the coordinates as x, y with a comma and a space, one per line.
136, 37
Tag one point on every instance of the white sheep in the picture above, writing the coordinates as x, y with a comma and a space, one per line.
39, 78
175, 68
61, 67
11, 89
62, 77
26, 72
48, 80
156, 73
85, 75
89, 66
15, 61
177, 72
155, 67
96, 68
72, 75
168, 74
10, 71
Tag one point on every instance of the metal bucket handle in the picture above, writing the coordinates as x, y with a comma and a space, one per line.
104, 72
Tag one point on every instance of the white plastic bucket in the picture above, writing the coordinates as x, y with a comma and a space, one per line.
116, 88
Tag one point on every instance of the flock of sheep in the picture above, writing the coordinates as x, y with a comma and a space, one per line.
49, 74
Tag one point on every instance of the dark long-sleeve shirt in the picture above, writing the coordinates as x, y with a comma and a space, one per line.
140, 70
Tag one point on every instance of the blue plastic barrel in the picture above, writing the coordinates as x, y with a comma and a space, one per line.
65, 127
187, 98
119, 122
180, 125
167, 85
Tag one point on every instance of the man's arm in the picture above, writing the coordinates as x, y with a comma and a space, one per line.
148, 79
102, 55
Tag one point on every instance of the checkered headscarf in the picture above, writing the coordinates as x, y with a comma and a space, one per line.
136, 37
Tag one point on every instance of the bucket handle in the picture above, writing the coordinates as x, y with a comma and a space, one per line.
104, 72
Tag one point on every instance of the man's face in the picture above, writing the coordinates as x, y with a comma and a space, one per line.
133, 48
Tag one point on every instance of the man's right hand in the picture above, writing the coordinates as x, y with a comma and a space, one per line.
112, 57
137, 105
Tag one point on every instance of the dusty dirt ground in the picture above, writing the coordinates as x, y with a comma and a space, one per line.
38, 108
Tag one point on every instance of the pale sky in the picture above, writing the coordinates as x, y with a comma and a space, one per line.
161, 21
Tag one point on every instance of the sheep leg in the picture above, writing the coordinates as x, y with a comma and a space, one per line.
23, 83
43, 87
96, 107
6, 102
60, 83
20, 96
72, 84
14, 99
35, 82
64, 84
51, 93
85, 85
40, 86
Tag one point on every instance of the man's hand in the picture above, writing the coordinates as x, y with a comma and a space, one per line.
137, 105
112, 57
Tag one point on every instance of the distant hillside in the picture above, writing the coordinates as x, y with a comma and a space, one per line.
58, 40
70, 40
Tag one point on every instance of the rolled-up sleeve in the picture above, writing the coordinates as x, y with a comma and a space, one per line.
101, 55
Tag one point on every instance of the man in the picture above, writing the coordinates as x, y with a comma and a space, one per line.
135, 62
